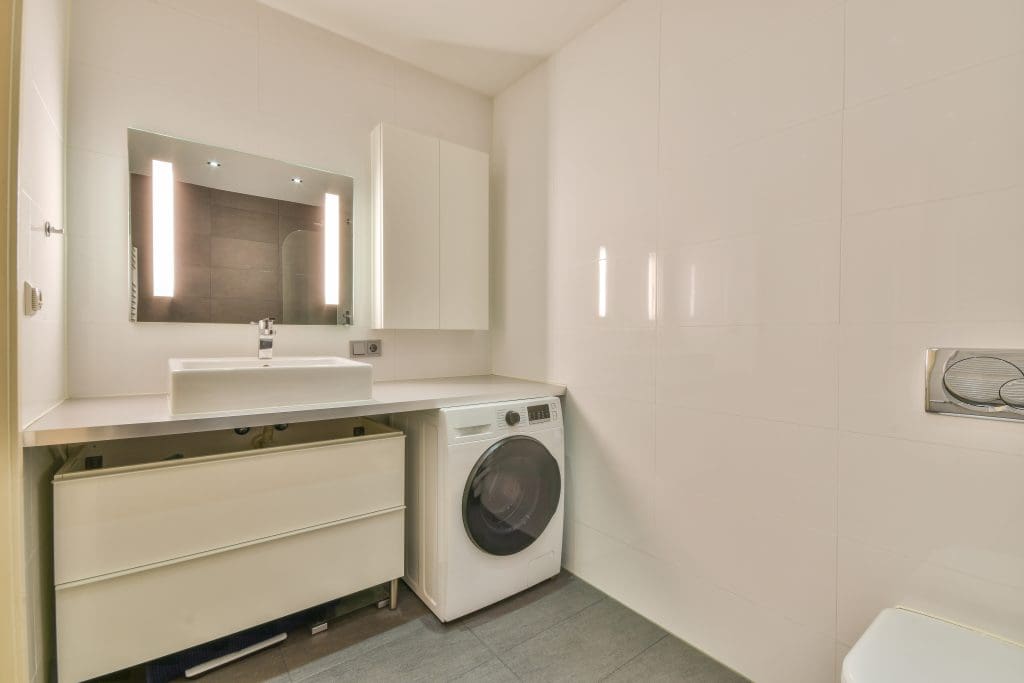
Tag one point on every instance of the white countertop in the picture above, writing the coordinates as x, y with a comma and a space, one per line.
124, 417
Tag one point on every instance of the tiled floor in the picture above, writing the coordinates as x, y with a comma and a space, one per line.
563, 629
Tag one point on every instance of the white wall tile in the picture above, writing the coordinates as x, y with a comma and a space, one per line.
783, 471
794, 78
782, 180
181, 51
882, 378
872, 579
520, 252
893, 45
751, 638
831, 174
952, 260
610, 469
789, 276
784, 372
252, 79
708, 31
956, 135
957, 508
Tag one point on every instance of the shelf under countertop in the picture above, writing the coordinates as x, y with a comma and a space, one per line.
77, 420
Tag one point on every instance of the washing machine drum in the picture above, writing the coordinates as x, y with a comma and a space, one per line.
511, 495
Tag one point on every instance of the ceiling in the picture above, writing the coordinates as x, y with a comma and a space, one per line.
485, 45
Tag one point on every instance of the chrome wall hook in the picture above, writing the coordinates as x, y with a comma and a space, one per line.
51, 229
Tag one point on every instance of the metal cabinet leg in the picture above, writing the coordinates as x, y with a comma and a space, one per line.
394, 594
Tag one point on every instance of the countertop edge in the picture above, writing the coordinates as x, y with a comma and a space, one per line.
51, 430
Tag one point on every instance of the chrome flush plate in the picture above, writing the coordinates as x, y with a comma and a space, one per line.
986, 383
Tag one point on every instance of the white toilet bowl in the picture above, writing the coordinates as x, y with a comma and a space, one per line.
902, 646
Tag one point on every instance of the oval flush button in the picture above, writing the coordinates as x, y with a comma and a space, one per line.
1012, 393
979, 380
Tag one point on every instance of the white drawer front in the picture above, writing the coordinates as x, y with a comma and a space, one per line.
124, 520
113, 623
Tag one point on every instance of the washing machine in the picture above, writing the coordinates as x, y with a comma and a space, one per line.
484, 502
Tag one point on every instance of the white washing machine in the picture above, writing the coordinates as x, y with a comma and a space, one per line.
484, 508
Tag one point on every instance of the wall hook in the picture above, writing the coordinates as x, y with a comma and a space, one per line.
51, 229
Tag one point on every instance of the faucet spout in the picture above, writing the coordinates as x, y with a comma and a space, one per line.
266, 332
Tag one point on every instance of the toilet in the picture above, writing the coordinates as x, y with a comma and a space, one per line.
903, 646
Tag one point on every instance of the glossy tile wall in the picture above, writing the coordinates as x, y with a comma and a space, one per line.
237, 74
41, 197
42, 360
758, 216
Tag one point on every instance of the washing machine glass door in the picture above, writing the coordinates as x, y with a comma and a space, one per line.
511, 495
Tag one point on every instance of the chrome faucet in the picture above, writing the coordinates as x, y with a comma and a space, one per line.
265, 329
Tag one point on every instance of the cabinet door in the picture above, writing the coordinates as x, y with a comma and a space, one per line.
406, 235
464, 231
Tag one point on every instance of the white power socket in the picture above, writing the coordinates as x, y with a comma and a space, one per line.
365, 347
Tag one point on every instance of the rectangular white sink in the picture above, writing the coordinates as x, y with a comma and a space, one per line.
213, 385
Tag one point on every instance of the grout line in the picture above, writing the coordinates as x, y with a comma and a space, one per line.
942, 444
934, 79
636, 656
935, 200
838, 342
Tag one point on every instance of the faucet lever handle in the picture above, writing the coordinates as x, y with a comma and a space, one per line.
266, 325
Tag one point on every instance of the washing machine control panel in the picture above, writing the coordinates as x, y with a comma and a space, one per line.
523, 416
539, 413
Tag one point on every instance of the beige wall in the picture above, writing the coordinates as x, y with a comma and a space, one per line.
814, 189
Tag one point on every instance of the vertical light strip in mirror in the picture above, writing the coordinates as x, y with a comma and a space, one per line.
163, 228
332, 241
602, 282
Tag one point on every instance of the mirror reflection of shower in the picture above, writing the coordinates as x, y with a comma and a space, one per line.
302, 268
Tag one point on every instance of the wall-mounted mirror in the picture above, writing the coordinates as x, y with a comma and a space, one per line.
220, 236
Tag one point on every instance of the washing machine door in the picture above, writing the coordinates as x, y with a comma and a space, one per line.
511, 495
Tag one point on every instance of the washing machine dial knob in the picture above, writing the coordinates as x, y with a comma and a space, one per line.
512, 418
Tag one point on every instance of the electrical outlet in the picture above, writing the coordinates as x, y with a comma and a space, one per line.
365, 347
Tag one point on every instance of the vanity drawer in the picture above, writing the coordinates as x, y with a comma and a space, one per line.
131, 517
110, 623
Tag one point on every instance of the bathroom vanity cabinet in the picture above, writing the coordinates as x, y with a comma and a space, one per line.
430, 232
177, 540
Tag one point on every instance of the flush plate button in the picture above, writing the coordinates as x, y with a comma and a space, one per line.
976, 382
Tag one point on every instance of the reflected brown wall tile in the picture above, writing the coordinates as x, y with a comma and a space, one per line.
246, 202
244, 310
241, 224
247, 283
192, 281
178, 309
235, 253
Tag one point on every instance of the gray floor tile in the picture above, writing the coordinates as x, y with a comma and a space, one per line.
670, 659
350, 636
422, 650
492, 671
518, 619
586, 647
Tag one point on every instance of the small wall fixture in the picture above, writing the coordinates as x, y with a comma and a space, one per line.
297, 180
163, 228
975, 383
213, 163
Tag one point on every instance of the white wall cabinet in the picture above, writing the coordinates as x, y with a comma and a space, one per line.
162, 555
430, 232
